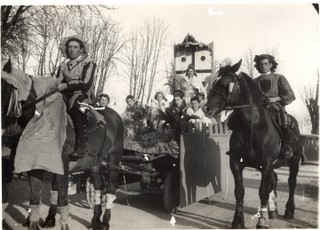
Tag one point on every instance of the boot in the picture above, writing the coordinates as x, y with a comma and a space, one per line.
34, 217
95, 222
79, 122
50, 220
286, 152
101, 122
64, 220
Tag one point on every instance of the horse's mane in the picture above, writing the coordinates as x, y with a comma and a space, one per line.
256, 93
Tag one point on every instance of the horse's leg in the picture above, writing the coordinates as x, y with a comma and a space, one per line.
50, 220
272, 203
98, 187
292, 181
63, 203
264, 190
111, 189
61, 185
237, 169
35, 178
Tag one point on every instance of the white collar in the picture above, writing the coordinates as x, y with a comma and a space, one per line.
266, 73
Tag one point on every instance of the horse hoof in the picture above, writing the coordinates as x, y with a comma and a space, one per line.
34, 225
273, 214
288, 215
49, 223
64, 227
106, 227
96, 226
261, 227
237, 226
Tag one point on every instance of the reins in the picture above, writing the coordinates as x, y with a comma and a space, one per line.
28, 106
245, 106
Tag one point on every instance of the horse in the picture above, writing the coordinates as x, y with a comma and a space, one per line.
255, 142
105, 145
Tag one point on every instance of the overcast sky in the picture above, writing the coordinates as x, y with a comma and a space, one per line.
292, 29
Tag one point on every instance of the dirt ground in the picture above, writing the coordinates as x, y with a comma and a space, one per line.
147, 211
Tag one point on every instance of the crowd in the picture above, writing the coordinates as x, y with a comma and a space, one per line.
170, 110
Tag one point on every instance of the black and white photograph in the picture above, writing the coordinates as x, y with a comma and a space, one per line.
160, 115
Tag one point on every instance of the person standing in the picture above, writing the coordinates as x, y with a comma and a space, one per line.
76, 78
278, 93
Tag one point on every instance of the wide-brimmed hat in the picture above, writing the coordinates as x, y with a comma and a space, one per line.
63, 45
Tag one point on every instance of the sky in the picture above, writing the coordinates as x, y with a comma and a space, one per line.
291, 29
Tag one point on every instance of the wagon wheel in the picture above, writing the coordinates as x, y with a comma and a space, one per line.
89, 192
171, 190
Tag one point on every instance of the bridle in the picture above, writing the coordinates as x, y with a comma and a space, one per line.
233, 91
230, 96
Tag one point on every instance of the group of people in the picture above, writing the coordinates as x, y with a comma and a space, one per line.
76, 77
160, 105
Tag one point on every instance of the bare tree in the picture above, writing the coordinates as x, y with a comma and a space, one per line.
18, 22
248, 63
310, 98
12, 22
106, 42
142, 53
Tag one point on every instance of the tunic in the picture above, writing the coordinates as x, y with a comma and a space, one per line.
78, 74
275, 85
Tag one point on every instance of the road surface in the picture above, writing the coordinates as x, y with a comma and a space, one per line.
147, 211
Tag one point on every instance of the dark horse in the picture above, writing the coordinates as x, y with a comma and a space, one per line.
255, 142
105, 145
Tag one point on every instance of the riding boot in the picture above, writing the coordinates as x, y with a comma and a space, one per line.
79, 122
286, 152
101, 122
34, 217
64, 220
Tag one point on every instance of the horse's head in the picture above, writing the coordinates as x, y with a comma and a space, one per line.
13, 98
225, 90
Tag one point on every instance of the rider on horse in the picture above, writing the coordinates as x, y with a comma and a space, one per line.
277, 91
76, 76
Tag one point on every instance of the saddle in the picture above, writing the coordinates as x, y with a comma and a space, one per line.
275, 116
279, 120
